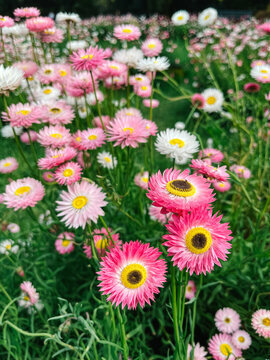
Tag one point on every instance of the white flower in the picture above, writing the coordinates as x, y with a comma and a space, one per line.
7, 247
17, 30
77, 44
13, 228
82, 111
62, 17
10, 78
209, 142
130, 57
106, 160
159, 63
207, 17
178, 145
261, 73
213, 100
179, 125
7, 132
180, 17
48, 93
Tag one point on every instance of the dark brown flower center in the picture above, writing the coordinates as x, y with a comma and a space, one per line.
134, 277
199, 241
183, 185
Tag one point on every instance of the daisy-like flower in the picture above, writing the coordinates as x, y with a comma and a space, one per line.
222, 186
199, 352
25, 138
58, 112
214, 155
48, 176
23, 114
153, 64
178, 145
112, 68
80, 84
64, 17
55, 136
143, 90
132, 275
156, 214
8, 165
261, 322
18, 31
47, 74
129, 112
130, 57
92, 138
81, 204
139, 79
227, 320
88, 59
76, 140
8, 246
180, 17
102, 242
126, 32
151, 127
10, 79
6, 21
106, 160
241, 171
211, 173
261, 73
221, 347
13, 228
64, 243
213, 100
207, 17
40, 23
22, 193
190, 290
29, 68
127, 131
177, 191
197, 241
141, 179
68, 173
152, 47
241, 339
46, 94
26, 12
56, 157
29, 295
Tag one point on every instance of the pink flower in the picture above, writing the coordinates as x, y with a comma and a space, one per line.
264, 27
25, 138
241, 339
128, 112
267, 96
102, 242
63, 72
177, 191
28, 67
26, 12
13, 228
64, 243
214, 155
47, 74
222, 186
55, 136
252, 87
126, 32
190, 290
88, 59
92, 138
30, 292
197, 241
139, 79
56, 157
112, 68
261, 322
152, 47
147, 103
241, 171
58, 112
68, 173
105, 119
221, 347
52, 35
199, 352
227, 320
6, 21
81, 204
257, 63
38, 24
156, 214
23, 114
8, 165
48, 176
80, 84
143, 90
132, 275
198, 100
22, 193
210, 172
127, 131
151, 127
141, 179
76, 140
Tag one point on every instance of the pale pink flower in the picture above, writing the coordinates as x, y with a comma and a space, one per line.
8, 165
88, 59
38, 24
48, 176
141, 179
56, 157
23, 114
64, 243
241, 339
241, 171
190, 290
152, 47
147, 103
26, 12
68, 173
28, 67
25, 138
102, 242
227, 320
143, 90
92, 138
261, 322
29, 292
6, 21
126, 32
55, 136
221, 347
57, 113
157, 215
198, 354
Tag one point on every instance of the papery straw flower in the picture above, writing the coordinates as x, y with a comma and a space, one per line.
105, 119
147, 103
29, 295
55, 136
177, 191
92, 138
207, 17
6, 21
156, 214
106, 160
56, 157
52, 35
26, 12
139, 79
47, 74
23, 114
227, 320
64, 243
46, 94
261, 73
81, 204
261, 322
129, 112
13, 228
48, 176
141, 179
8, 165
88, 59
199, 352
40, 23
127, 131
214, 155
130, 57
68, 173
17, 31
221, 186
57, 113
103, 242
213, 100
143, 90
241, 171
152, 47
64, 17
190, 290
8, 246
28, 67
153, 64
126, 32
180, 17
22, 193
25, 137
241, 339
132, 276
151, 127
76, 140
221, 347
80, 84
197, 241
10, 78
211, 173
111, 68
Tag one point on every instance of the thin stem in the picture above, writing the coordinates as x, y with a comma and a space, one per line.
123, 333
93, 247
97, 102
194, 316
128, 89
151, 98
106, 227
175, 311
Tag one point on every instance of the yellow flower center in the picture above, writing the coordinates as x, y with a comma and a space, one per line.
78, 138
87, 57
128, 129
221, 185
26, 298
127, 31
180, 17
21, 190
65, 242
264, 71
138, 78
129, 113
198, 240
107, 159
47, 91
8, 247
24, 112
7, 164
211, 100
2, 19
145, 179
92, 137
48, 71
181, 188
55, 110
178, 142
227, 320
266, 321
68, 172
207, 17
144, 88
62, 73
133, 276
225, 349
241, 339
189, 288
152, 46
56, 136
102, 244
114, 67
79, 202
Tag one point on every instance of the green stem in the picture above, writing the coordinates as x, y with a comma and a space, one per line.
93, 247
123, 333
175, 312
128, 89
106, 227
194, 316
97, 102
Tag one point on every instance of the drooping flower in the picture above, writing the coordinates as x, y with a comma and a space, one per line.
221, 347
198, 100
252, 87
214, 155
241, 339
197, 241
8, 165
29, 295
68, 173
147, 103
126, 32
10, 78
81, 204
156, 214
227, 320
211, 173
261, 322
132, 275
103, 242
64, 243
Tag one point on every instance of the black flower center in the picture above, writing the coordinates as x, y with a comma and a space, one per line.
134, 277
